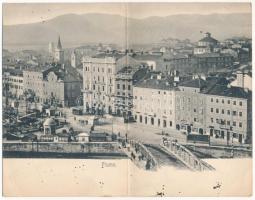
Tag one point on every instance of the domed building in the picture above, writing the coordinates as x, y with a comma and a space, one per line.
206, 44
49, 126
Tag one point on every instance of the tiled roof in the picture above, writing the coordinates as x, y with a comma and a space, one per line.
194, 83
103, 55
14, 72
127, 60
67, 74
147, 57
208, 39
139, 74
223, 90
161, 84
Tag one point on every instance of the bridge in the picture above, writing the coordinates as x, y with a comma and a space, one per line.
168, 153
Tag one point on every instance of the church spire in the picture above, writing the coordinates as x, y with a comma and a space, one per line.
59, 46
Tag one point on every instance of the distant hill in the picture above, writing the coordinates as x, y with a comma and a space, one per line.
91, 28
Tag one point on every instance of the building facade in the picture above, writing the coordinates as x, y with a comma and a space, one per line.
54, 84
154, 103
13, 83
207, 62
99, 84
228, 113
206, 44
124, 82
190, 107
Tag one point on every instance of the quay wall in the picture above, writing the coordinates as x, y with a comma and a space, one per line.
219, 152
63, 147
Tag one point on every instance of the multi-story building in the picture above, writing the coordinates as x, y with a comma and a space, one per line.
124, 81
13, 83
228, 113
50, 84
99, 84
206, 44
190, 106
154, 102
213, 61
206, 62
213, 107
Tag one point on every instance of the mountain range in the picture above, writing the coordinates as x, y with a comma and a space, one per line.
106, 28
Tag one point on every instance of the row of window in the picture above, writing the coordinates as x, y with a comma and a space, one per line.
103, 96
187, 108
98, 78
146, 109
123, 94
34, 76
103, 88
158, 92
152, 121
234, 113
98, 69
15, 80
124, 87
228, 101
223, 122
16, 86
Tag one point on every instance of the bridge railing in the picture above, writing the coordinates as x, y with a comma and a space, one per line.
186, 156
145, 152
146, 155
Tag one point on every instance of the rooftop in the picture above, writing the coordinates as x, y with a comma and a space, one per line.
150, 81
67, 74
147, 57
209, 39
211, 55
194, 83
224, 90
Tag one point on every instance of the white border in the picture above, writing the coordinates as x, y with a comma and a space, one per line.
134, 1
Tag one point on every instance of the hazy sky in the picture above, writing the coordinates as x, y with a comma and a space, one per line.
35, 12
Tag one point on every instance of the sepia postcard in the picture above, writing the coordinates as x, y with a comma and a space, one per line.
127, 99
